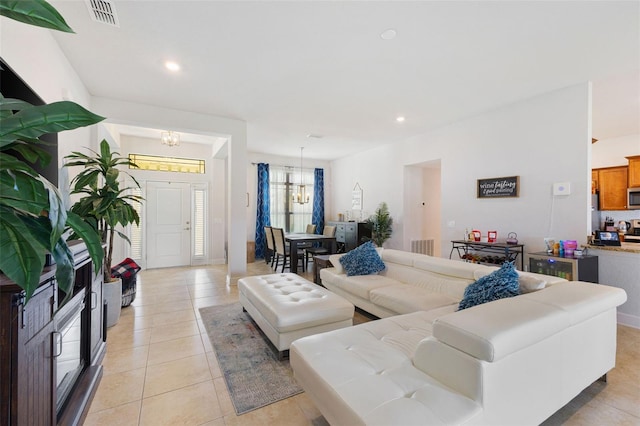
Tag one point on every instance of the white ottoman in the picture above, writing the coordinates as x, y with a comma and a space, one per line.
288, 307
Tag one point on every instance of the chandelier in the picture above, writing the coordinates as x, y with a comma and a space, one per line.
301, 196
170, 138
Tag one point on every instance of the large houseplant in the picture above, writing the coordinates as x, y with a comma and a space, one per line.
380, 224
102, 200
33, 220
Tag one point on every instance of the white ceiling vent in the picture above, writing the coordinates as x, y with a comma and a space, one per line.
103, 11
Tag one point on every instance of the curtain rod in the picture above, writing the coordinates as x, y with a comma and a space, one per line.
285, 166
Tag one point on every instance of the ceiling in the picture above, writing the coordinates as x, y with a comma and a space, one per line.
290, 69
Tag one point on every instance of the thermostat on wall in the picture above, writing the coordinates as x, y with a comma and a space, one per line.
562, 188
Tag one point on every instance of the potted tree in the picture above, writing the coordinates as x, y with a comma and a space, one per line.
33, 219
107, 205
380, 224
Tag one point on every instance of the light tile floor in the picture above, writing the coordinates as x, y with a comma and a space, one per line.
160, 368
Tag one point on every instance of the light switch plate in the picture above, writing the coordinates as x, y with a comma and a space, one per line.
562, 188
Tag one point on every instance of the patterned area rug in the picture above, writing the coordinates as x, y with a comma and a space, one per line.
249, 363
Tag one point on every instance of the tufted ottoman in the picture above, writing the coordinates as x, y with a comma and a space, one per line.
288, 307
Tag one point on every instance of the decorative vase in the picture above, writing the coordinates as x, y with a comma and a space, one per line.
113, 296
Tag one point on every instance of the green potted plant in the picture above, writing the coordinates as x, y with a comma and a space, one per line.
33, 220
106, 204
380, 224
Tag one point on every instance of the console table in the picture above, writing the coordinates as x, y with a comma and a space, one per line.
488, 253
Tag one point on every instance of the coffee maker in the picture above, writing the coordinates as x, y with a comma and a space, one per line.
633, 234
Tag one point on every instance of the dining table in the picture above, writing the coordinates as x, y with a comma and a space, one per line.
294, 239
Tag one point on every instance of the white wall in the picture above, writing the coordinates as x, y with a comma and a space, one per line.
612, 152
35, 56
543, 140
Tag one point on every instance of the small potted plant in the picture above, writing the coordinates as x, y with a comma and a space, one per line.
380, 224
107, 206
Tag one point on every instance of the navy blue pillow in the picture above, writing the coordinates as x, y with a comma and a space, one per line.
497, 285
362, 260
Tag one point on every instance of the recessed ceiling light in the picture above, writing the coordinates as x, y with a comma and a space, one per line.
400, 119
389, 34
172, 66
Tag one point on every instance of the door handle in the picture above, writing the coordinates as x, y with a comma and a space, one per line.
57, 343
186, 229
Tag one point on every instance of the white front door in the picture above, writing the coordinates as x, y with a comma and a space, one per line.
168, 224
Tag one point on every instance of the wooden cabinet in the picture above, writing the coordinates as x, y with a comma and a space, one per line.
634, 171
594, 182
612, 186
349, 235
50, 356
27, 387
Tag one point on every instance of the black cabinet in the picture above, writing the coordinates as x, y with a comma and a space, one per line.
350, 235
50, 356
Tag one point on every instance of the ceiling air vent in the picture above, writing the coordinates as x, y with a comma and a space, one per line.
103, 11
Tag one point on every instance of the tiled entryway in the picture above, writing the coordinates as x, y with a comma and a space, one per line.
160, 368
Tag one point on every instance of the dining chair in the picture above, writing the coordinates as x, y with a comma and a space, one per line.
282, 250
329, 231
311, 229
271, 255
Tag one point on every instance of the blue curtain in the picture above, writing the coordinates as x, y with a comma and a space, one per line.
317, 215
263, 214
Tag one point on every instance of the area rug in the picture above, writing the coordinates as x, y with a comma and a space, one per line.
250, 366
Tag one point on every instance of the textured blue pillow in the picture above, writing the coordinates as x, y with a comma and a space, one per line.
497, 285
362, 260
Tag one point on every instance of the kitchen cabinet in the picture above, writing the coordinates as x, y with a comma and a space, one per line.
594, 182
634, 171
612, 188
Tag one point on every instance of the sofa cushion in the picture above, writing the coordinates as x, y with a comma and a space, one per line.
527, 281
497, 285
402, 257
404, 298
362, 260
361, 285
335, 261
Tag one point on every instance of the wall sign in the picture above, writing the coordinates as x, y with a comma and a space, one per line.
356, 197
499, 187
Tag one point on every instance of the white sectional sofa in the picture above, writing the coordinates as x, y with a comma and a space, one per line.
411, 282
513, 361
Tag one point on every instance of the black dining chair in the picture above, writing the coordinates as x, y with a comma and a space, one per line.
329, 231
282, 250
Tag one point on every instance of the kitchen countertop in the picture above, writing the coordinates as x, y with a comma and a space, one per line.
625, 247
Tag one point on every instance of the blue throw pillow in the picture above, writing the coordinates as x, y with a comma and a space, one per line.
362, 260
497, 285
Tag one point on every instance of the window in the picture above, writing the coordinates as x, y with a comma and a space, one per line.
199, 221
286, 214
135, 231
167, 164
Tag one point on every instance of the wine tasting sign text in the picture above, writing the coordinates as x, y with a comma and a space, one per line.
499, 187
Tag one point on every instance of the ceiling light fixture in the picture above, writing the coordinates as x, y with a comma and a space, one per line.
172, 66
389, 34
400, 119
170, 138
301, 197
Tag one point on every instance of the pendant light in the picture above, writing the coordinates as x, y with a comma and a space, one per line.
301, 196
170, 138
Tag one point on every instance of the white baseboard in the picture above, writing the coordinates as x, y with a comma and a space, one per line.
629, 320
